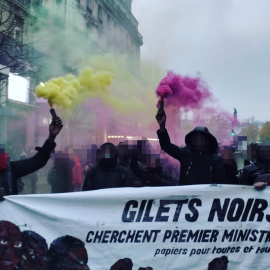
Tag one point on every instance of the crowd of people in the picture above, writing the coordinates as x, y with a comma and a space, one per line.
132, 163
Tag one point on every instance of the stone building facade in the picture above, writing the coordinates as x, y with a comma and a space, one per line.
108, 25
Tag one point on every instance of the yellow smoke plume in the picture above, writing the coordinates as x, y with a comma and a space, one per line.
67, 92
132, 90
126, 86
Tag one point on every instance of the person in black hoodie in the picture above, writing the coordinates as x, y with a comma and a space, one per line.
107, 173
11, 171
200, 162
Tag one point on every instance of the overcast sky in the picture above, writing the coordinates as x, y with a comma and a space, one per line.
227, 42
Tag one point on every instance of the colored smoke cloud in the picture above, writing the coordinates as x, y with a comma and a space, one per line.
124, 103
67, 92
189, 103
182, 91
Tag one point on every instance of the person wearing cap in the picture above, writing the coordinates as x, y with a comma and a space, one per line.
11, 171
199, 159
108, 173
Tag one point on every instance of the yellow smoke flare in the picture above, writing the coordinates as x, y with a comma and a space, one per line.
121, 87
67, 92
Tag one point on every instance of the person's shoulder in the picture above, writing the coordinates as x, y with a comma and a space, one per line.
251, 166
92, 170
122, 168
217, 156
184, 149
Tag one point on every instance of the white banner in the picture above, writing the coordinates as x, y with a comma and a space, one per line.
160, 227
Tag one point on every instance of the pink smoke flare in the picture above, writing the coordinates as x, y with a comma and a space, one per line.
179, 91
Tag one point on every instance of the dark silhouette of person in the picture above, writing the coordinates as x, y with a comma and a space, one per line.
146, 268
230, 166
220, 263
125, 150
122, 264
10, 245
35, 250
152, 174
107, 173
200, 162
67, 253
11, 171
60, 175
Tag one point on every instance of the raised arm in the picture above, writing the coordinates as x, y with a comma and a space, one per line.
21, 168
164, 139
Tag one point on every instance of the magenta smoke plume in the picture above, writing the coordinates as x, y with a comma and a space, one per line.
181, 91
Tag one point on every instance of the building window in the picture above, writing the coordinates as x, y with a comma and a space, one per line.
18, 36
36, 4
27, 3
88, 6
100, 14
109, 21
18, 88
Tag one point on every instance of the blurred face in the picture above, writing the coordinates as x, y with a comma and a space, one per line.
132, 148
227, 155
142, 150
4, 148
263, 153
153, 161
123, 150
10, 246
198, 141
106, 153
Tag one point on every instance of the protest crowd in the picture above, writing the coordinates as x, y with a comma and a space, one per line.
131, 163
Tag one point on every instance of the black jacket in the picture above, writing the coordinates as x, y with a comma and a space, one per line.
113, 176
196, 168
250, 172
20, 168
151, 176
60, 175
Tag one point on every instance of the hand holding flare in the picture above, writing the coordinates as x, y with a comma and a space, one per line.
161, 116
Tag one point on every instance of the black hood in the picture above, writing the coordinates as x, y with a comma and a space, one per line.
213, 145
